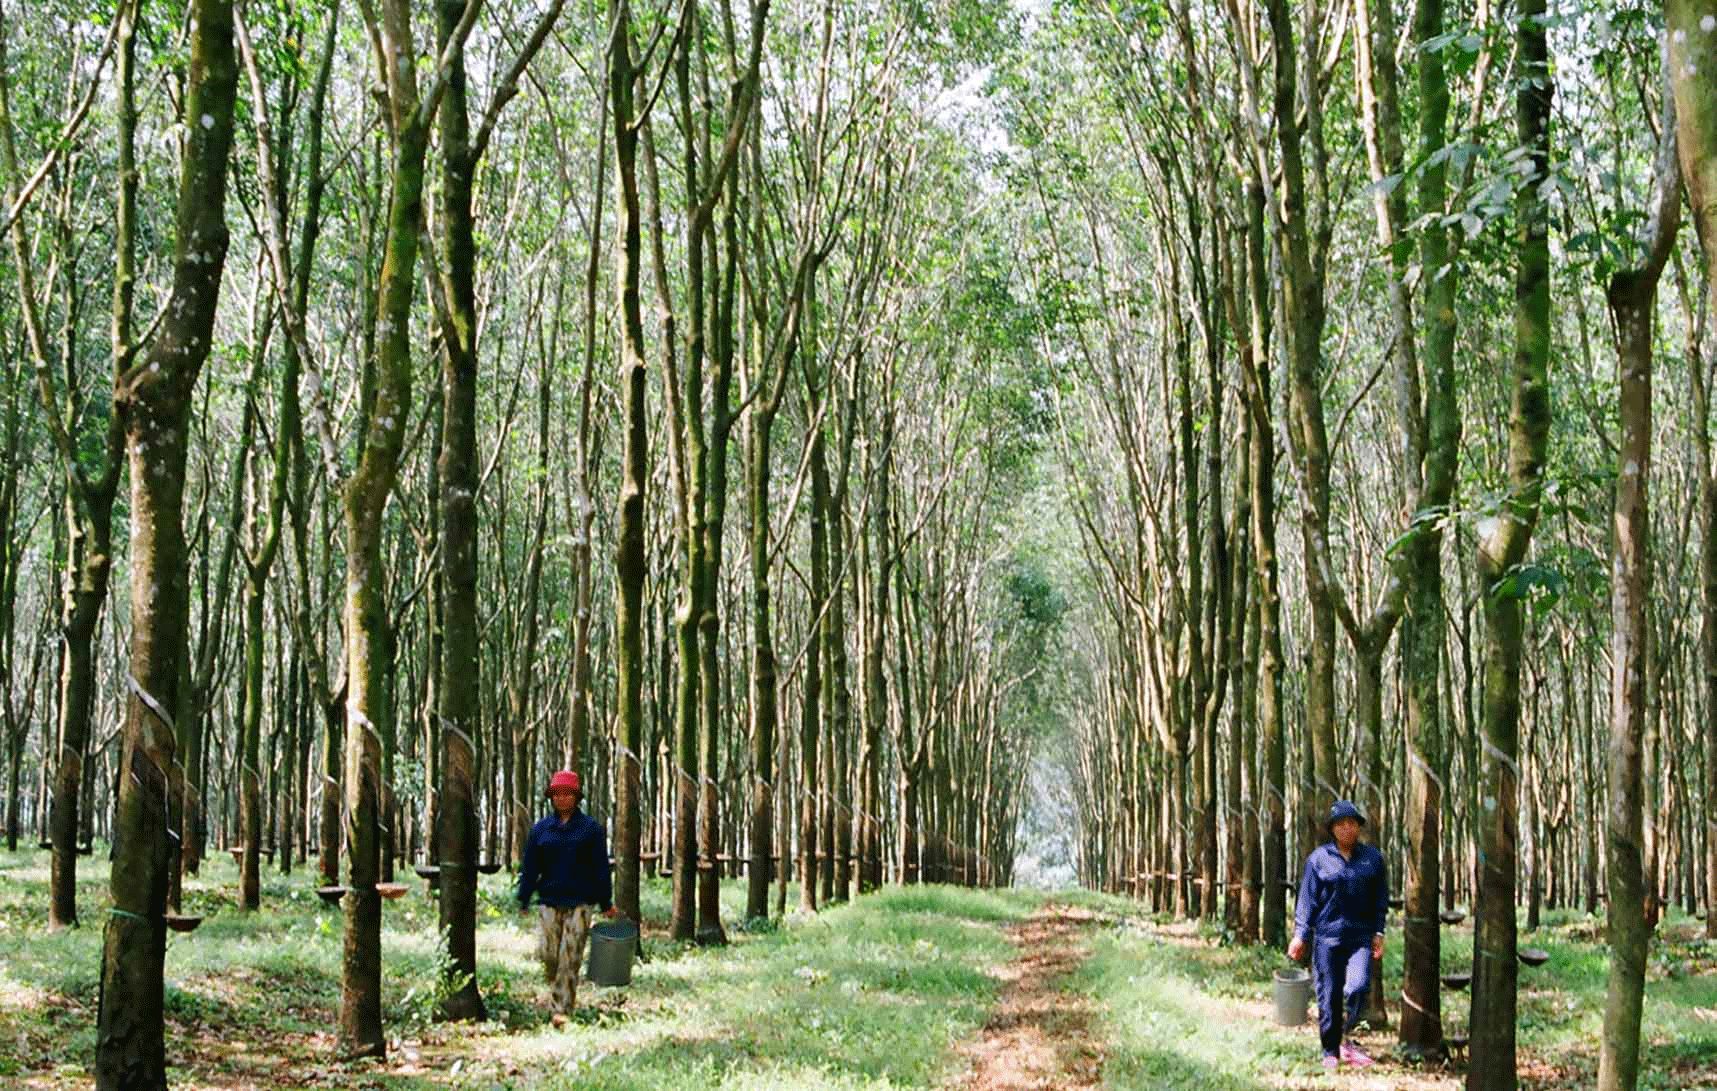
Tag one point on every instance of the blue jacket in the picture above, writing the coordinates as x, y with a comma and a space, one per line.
1342, 899
566, 864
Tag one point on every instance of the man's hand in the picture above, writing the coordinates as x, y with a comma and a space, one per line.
611, 912
1377, 945
1297, 948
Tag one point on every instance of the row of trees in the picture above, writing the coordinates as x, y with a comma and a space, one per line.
429, 425
1350, 533
1006, 341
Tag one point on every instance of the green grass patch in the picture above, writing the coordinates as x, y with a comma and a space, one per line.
1178, 1012
874, 994
868, 995
1182, 1010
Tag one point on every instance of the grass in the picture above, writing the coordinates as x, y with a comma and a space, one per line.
869, 995
1181, 1010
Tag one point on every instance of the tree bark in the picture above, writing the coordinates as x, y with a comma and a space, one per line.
766, 386
369, 637
1690, 66
154, 400
1272, 797
765, 694
88, 500
1633, 306
1502, 543
1425, 396
1303, 245
458, 709
811, 717
629, 558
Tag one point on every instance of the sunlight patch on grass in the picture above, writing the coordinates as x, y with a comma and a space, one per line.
17, 997
1184, 1011
1165, 1031
868, 995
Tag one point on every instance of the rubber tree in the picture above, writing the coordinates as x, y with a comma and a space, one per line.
578, 733
91, 485
1633, 306
1426, 404
630, 570
194, 698
1303, 230
369, 644
290, 492
1502, 540
705, 422
1265, 917
765, 383
153, 399
1693, 52
18, 704
259, 558
1264, 903
457, 690
767, 366
811, 719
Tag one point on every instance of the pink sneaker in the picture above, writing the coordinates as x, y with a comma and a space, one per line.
1330, 1062
1355, 1056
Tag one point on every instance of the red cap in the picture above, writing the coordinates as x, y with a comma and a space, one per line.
565, 779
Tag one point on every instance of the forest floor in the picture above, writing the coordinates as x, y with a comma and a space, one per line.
927, 987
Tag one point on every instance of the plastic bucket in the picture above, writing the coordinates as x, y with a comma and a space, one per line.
1293, 993
612, 945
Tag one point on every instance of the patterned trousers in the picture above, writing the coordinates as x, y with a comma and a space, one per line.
561, 947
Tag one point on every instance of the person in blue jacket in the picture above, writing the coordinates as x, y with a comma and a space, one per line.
1342, 907
566, 869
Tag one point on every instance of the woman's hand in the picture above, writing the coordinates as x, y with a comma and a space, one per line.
1297, 948
1377, 946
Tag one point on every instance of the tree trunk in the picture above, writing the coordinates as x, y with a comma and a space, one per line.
876, 692
909, 752
250, 735
1303, 308
88, 501
811, 716
328, 821
1502, 542
838, 725
1423, 628
458, 708
1690, 62
768, 384
629, 560
154, 401
14, 722
1272, 795
724, 266
1633, 305
369, 638
87, 566
579, 729
764, 692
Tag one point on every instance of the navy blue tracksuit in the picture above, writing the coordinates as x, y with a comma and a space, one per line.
566, 864
1343, 904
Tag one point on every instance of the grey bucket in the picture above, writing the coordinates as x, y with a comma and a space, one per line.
612, 945
1293, 992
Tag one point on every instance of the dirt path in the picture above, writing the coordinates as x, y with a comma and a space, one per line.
1038, 1035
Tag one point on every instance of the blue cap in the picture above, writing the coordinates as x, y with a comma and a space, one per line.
1342, 809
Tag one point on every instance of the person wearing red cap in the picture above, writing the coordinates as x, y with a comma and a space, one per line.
566, 869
